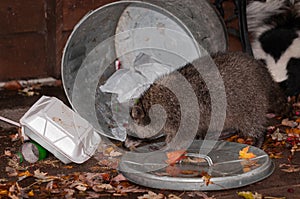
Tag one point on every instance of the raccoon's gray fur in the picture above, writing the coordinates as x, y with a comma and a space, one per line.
250, 93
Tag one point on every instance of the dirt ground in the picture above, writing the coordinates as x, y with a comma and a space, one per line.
99, 178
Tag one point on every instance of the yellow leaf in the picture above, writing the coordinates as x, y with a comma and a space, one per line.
3, 192
108, 150
246, 169
68, 167
31, 193
296, 130
241, 140
245, 155
207, 178
246, 195
26, 173
249, 195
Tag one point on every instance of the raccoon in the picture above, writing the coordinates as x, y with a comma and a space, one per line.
250, 94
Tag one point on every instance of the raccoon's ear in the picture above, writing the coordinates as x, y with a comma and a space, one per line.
137, 112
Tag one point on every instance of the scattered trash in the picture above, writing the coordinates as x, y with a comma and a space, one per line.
131, 83
19, 84
18, 157
57, 128
60, 130
33, 152
10, 121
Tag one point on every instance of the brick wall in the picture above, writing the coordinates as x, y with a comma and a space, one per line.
34, 32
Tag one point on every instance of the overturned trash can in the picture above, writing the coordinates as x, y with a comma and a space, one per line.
124, 35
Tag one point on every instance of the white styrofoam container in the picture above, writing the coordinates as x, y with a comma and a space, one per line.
60, 130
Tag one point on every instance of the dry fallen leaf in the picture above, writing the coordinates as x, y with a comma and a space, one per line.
31, 193
11, 172
197, 194
119, 178
288, 168
276, 155
15, 137
152, 195
81, 187
3, 192
12, 85
172, 196
175, 156
102, 187
7, 153
249, 195
289, 123
26, 173
173, 171
115, 153
40, 175
278, 136
244, 154
108, 150
207, 178
68, 167
69, 193
293, 131
126, 187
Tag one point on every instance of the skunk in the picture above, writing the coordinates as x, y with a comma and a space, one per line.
274, 26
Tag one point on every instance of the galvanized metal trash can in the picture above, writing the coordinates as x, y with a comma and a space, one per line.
112, 33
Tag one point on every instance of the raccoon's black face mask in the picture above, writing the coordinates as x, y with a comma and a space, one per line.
139, 115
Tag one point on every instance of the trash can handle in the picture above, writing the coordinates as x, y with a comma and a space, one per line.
198, 155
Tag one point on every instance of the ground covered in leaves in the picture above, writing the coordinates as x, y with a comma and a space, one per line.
99, 177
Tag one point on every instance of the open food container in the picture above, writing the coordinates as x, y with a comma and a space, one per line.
60, 130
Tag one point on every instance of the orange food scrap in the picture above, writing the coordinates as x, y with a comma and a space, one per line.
244, 154
175, 156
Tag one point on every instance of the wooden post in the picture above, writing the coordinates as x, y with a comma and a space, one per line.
54, 38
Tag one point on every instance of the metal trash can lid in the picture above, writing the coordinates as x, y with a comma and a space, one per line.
223, 169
